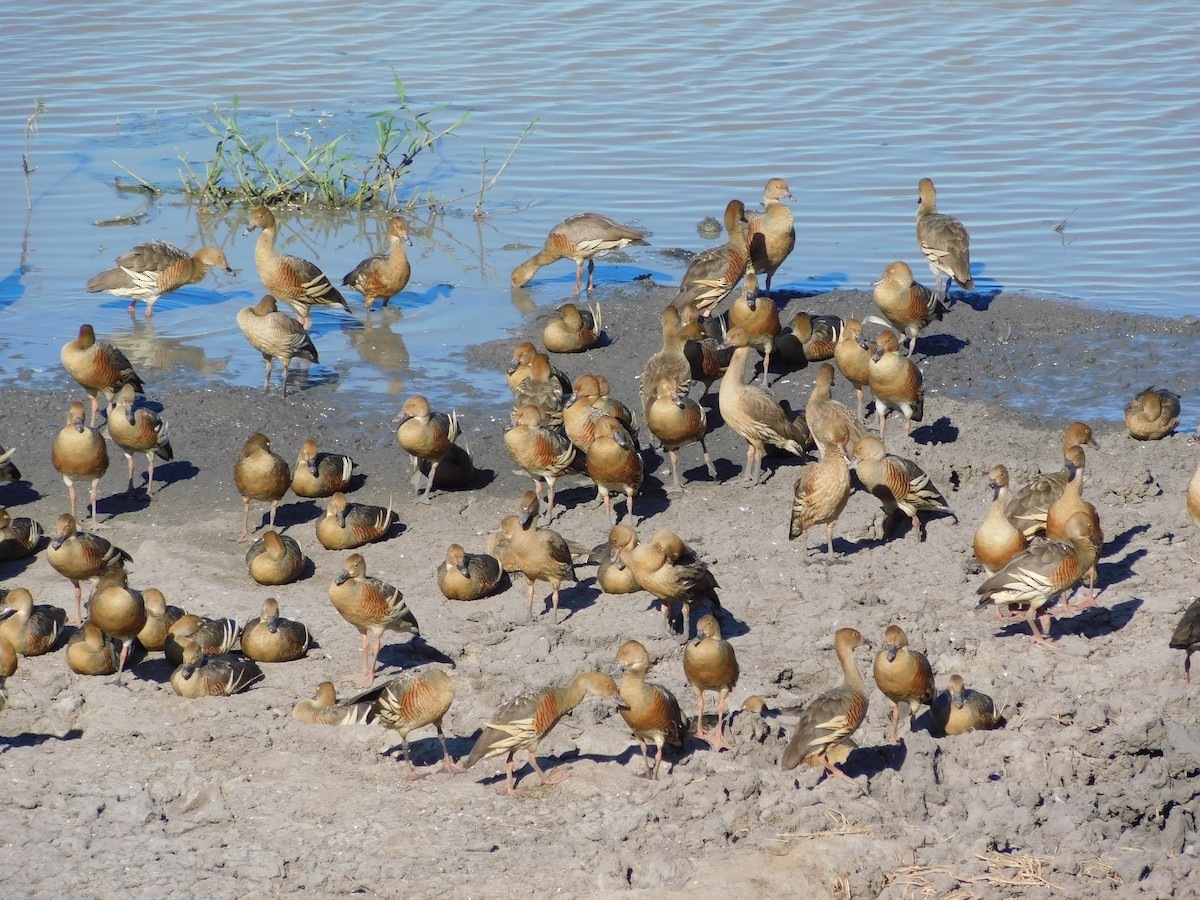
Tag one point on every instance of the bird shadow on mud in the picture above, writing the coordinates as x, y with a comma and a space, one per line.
1096, 621
871, 761
18, 493
1116, 544
941, 431
939, 345
30, 739
410, 654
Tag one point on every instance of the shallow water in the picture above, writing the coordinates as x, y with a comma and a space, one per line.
1024, 114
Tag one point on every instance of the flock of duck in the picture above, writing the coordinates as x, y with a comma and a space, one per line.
1037, 545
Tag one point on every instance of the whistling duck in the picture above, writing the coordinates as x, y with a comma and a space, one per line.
759, 318
98, 366
702, 345
908, 306
260, 474
1152, 414
382, 277
412, 701
898, 483
997, 540
544, 453
201, 675
1043, 572
277, 336
8, 668
853, 360
650, 710
347, 525
373, 607
31, 630
324, 709
526, 520
712, 274
958, 709
427, 436
753, 413
79, 454
150, 270
522, 722
8, 469
81, 556
612, 575
771, 235
821, 492
541, 388
709, 664
139, 430
570, 329
1070, 503
669, 362
613, 462
118, 610
896, 383
581, 410
297, 282
540, 554
18, 537
943, 240
830, 718
903, 675
809, 338
677, 421
1027, 507
91, 652
1187, 636
275, 559
318, 474
521, 367
213, 636
823, 411
467, 576
272, 638
160, 616
672, 572
582, 238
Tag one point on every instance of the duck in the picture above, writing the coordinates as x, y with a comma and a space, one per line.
1069, 504
91, 652
853, 359
996, 539
1187, 637
612, 575
260, 474
468, 576
412, 701
214, 636
570, 329
540, 554
903, 675
907, 305
32, 630
1027, 508
272, 638
710, 664
759, 318
581, 410
426, 436
1038, 575
544, 453
455, 470
150, 270
373, 607
297, 282
713, 274
832, 717
897, 483
79, 454
650, 710
526, 519
8, 469
582, 237
752, 412
523, 721
771, 235
958, 709
98, 366
1152, 414
670, 570
822, 411
324, 709
317, 474
139, 430
702, 346
8, 668
202, 675
81, 556
896, 383
670, 362
160, 616
614, 464
19, 537
543, 389
275, 559
522, 366
383, 277
277, 336
347, 525
809, 338
821, 492
117, 610
611, 406
677, 421
943, 240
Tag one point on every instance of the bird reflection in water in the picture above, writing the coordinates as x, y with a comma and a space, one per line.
148, 349
379, 343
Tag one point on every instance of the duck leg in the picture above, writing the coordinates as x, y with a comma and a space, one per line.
1038, 637
717, 739
553, 778
448, 762
708, 463
95, 502
676, 484
245, 535
129, 460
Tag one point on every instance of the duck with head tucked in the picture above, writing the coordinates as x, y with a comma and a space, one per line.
347, 525
19, 537
275, 559
272, 638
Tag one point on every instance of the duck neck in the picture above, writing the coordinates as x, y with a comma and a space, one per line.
735, 373
853, 677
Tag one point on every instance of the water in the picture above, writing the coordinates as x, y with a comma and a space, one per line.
1025, 114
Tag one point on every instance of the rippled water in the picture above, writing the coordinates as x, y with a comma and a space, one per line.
1025, 114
